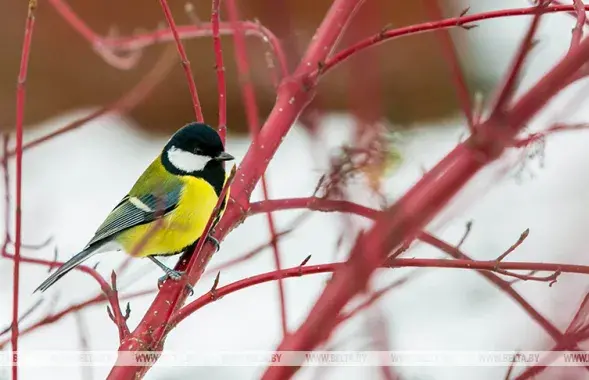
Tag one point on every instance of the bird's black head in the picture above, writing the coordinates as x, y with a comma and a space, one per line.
193, 147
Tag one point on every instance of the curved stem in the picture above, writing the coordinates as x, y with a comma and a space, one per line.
451, 22
299, 271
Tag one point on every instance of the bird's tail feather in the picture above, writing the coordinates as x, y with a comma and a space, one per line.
67, 266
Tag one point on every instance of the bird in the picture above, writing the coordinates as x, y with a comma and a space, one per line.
167, 209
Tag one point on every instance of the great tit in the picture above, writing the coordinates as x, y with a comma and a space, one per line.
167, 209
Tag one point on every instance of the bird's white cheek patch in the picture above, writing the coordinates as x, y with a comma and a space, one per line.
186, 161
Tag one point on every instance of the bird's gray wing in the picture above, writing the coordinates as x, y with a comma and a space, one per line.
136, 210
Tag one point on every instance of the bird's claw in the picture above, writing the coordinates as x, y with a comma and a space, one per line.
174, 275
215, 242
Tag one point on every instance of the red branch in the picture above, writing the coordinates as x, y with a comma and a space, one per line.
507, 89
220, 70
403, 221
394, 227
452, 22
184, 60
153, 328
253, 252
312, 203
20, 112
293, 96
253, 121
54, 317
374, 297
393, 263
575, 333
329, 205
504, 285
449, 51
117, 315
141, 40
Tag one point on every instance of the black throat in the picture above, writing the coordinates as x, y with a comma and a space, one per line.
213, 172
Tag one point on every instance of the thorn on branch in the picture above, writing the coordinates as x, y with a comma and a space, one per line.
213, 291
110, 314
459, 22
113, 279
319, 185
464, 11
127, 311
466, 233
384, 30
115, 313
305, 261
261, 247
468, 27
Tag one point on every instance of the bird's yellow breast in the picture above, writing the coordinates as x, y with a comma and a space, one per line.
178, 229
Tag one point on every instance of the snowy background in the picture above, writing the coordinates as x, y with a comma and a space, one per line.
72, 182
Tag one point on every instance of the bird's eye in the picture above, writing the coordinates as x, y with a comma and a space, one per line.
198, 151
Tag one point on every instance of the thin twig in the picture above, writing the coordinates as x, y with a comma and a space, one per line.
451, 56
467, 230
507, 89
184, 60
138, 41
220, 70
414, 29
51, 317
20, 112
29, 311
374, 297
524, 235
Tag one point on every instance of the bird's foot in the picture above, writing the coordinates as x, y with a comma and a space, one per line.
215, 243
174, 275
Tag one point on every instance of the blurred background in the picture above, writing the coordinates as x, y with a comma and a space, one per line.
71, 182
65, 72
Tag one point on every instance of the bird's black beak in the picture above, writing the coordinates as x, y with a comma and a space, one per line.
224, 156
